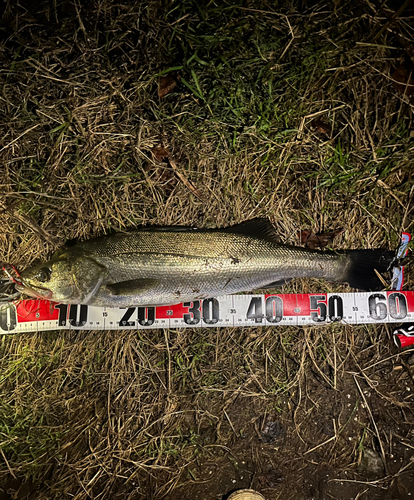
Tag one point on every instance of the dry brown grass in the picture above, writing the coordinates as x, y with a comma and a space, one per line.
183, 414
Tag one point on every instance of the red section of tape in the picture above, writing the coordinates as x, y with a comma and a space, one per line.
291, 305
175, 311
36, 310
408, 296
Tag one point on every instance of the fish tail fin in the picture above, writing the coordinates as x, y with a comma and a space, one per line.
364, 266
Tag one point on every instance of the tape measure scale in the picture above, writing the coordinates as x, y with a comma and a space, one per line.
226, 311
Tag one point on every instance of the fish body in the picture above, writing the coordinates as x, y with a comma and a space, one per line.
170, 265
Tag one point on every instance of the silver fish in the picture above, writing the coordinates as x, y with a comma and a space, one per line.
169, 265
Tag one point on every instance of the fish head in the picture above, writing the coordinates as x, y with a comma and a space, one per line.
54, 280
66, 278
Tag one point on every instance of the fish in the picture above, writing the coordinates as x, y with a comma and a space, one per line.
169, 265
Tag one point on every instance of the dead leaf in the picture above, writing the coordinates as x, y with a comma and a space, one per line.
322, 127
167, 84
403, 80
160, 153
162, 174
320, 240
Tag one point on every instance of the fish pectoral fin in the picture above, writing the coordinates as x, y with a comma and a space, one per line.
277, 283
132, 287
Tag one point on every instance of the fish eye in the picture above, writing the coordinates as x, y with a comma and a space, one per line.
43, 274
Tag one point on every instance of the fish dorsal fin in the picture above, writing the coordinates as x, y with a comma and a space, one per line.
259, 228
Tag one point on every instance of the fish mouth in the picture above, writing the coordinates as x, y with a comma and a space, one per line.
31, 290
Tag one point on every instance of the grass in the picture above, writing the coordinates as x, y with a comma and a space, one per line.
180, 414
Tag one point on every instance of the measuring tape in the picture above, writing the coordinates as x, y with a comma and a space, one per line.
227, 311
395, 306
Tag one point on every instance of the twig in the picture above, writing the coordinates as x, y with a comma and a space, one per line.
184, 179
385, 359
7, 463
392, 19
169, 361
375, 425
31, 224
19, 137
321, 444
231, 425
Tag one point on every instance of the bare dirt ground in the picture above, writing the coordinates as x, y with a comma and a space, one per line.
121, 114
